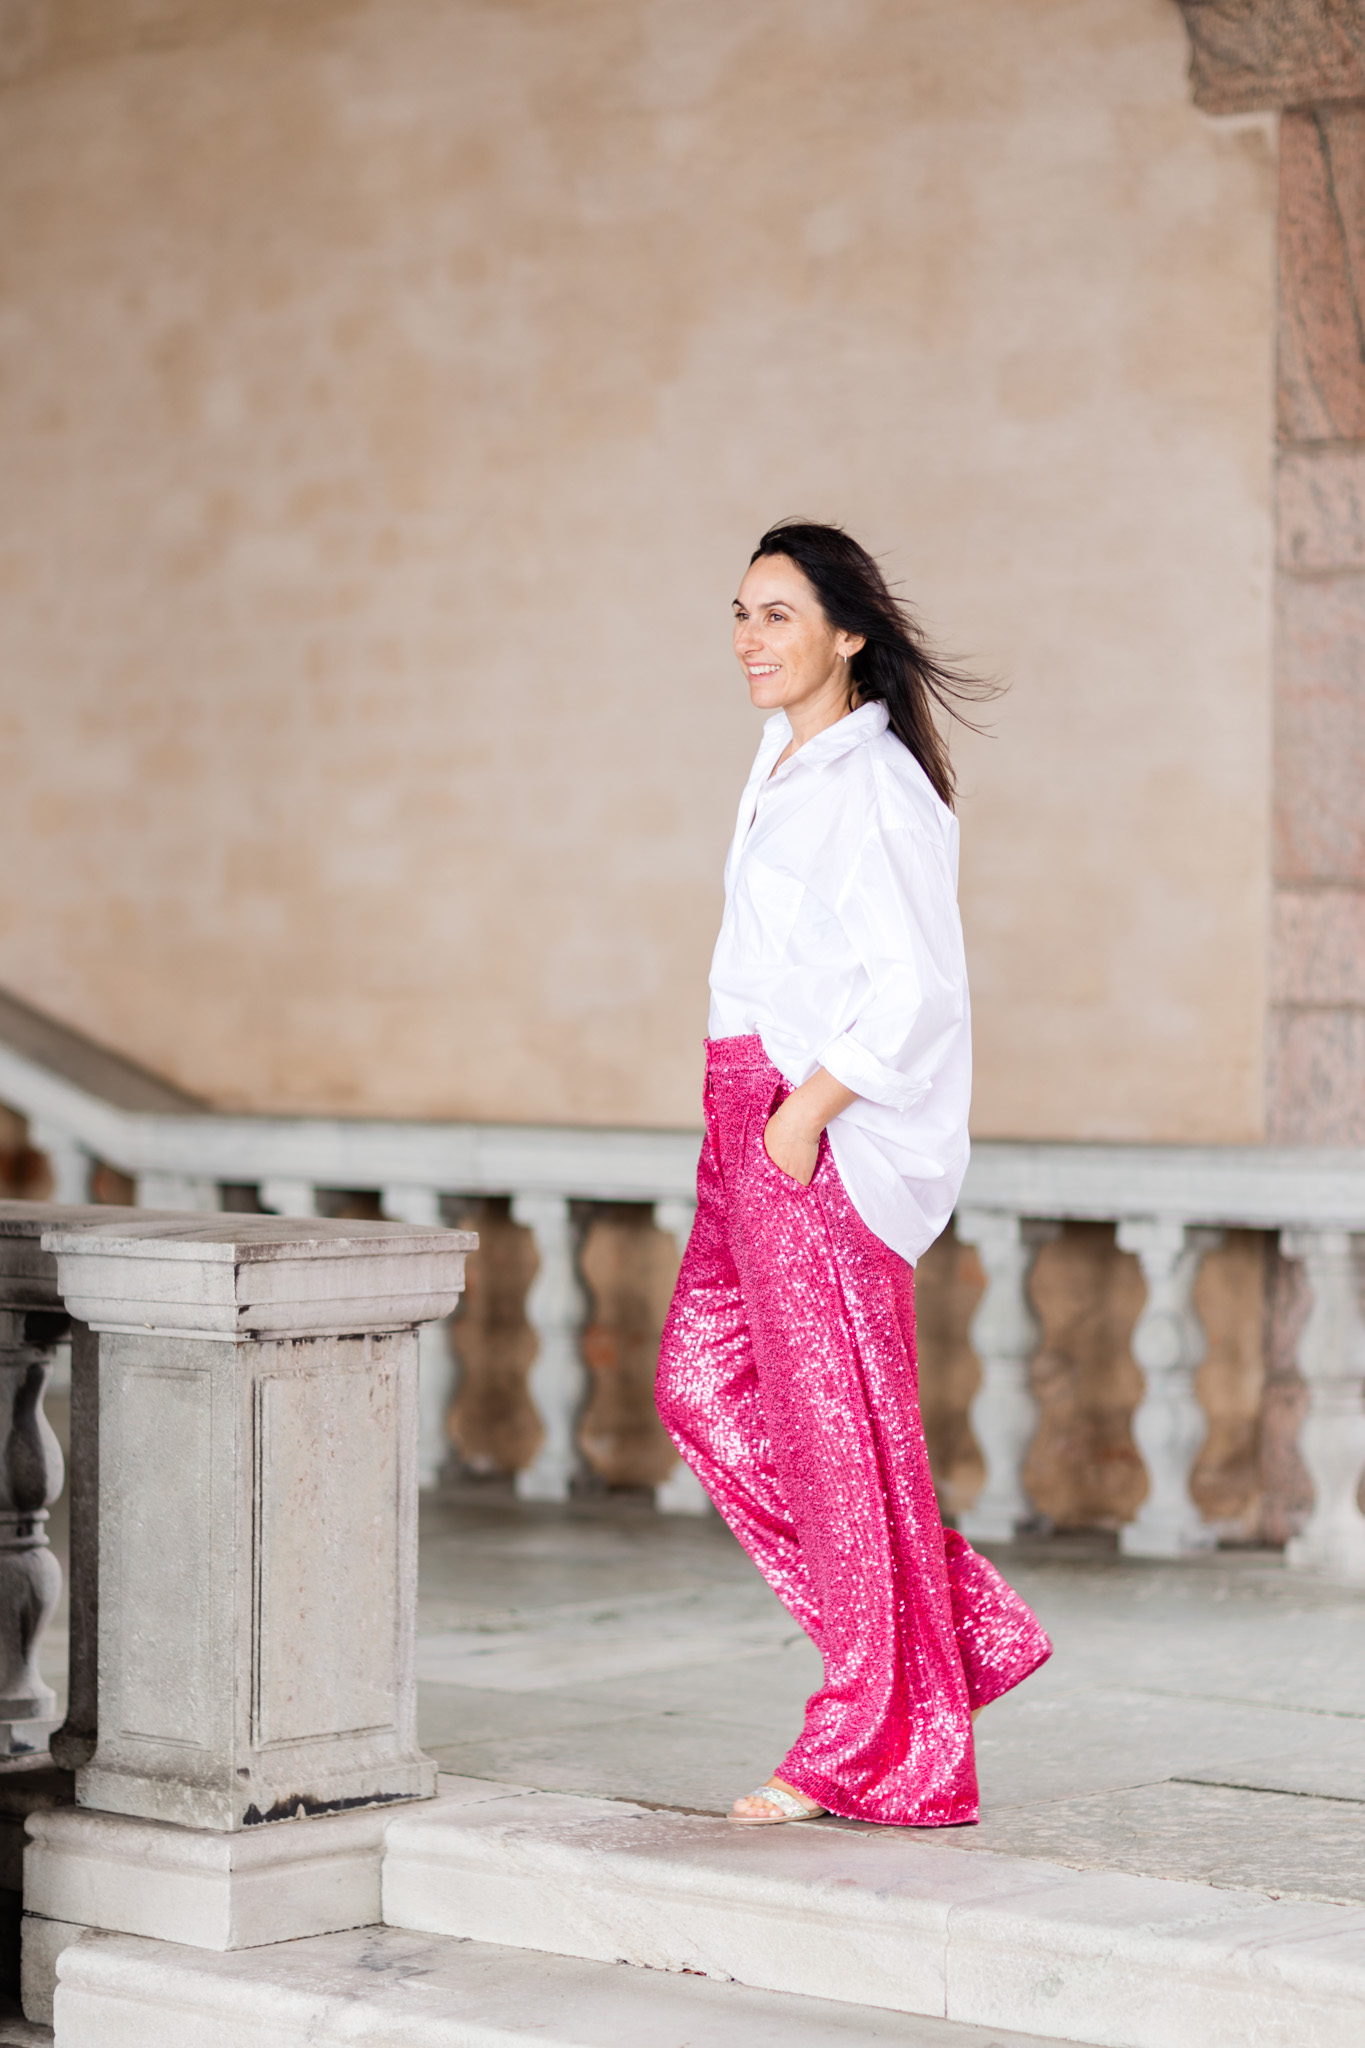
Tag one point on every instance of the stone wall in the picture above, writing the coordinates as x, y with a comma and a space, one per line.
390, 392
1305, 59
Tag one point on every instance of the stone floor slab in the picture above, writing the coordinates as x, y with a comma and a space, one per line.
1044, 1743
463, 1713
1323, 1773
756, 1685
620, 1639
694, 1764
1270, 1842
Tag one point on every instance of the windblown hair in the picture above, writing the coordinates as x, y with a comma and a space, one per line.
895, 666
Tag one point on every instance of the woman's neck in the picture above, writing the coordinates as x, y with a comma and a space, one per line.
816, 714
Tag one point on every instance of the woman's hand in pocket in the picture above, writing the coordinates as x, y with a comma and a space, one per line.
791, 1142
791, 1137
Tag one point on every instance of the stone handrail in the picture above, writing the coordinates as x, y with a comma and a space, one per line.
1168, 1201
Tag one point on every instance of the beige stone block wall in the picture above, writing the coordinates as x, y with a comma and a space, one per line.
390, 392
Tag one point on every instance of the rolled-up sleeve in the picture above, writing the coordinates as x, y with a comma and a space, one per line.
899, 910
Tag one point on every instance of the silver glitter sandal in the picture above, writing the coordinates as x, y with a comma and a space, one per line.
785, 1804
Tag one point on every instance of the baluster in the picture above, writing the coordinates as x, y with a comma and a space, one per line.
682, 1493
74, 1742
1169, 1426
436, 1369
1004, 1335
69, 1161
177, 1191
1332, 1440
31, 1475
35, 1324
554, 1309
288, 1197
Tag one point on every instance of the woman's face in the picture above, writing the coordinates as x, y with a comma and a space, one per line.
786, 646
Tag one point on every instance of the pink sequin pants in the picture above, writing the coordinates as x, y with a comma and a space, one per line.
787, 1380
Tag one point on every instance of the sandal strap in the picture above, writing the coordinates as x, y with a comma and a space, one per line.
786, 1802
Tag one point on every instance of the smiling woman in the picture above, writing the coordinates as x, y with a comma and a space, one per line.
837, 1088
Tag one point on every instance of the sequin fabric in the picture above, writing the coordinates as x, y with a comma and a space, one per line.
787, 1380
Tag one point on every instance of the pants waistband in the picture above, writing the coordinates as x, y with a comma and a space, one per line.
738, 1055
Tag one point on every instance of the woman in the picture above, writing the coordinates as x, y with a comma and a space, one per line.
837, 1086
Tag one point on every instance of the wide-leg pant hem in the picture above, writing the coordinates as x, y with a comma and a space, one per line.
961, 1813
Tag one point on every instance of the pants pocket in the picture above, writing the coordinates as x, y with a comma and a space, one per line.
779, 1096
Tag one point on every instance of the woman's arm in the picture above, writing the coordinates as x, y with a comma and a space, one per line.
793, 1133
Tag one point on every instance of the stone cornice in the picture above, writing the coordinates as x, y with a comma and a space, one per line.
1247, 56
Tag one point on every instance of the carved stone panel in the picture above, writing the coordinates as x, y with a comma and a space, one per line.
1249, 55
327, 1488
163, 1536
257, 1578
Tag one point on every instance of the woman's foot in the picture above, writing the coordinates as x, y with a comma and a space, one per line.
772, 1805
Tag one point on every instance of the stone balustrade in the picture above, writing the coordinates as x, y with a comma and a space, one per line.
34, 1320
244, 1567
1167, 1203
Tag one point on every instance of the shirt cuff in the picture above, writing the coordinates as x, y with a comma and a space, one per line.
859, 1070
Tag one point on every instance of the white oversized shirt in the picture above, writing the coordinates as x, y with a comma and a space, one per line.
841, 947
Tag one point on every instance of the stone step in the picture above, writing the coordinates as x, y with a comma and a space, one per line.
17, 2032
881, 1917
389, 1989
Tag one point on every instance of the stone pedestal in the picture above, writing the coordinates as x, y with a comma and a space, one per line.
257, 1511
257, 1572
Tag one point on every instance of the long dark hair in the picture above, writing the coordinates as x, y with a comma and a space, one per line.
895, 666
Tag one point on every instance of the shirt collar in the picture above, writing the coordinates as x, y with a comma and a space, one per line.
868, 722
